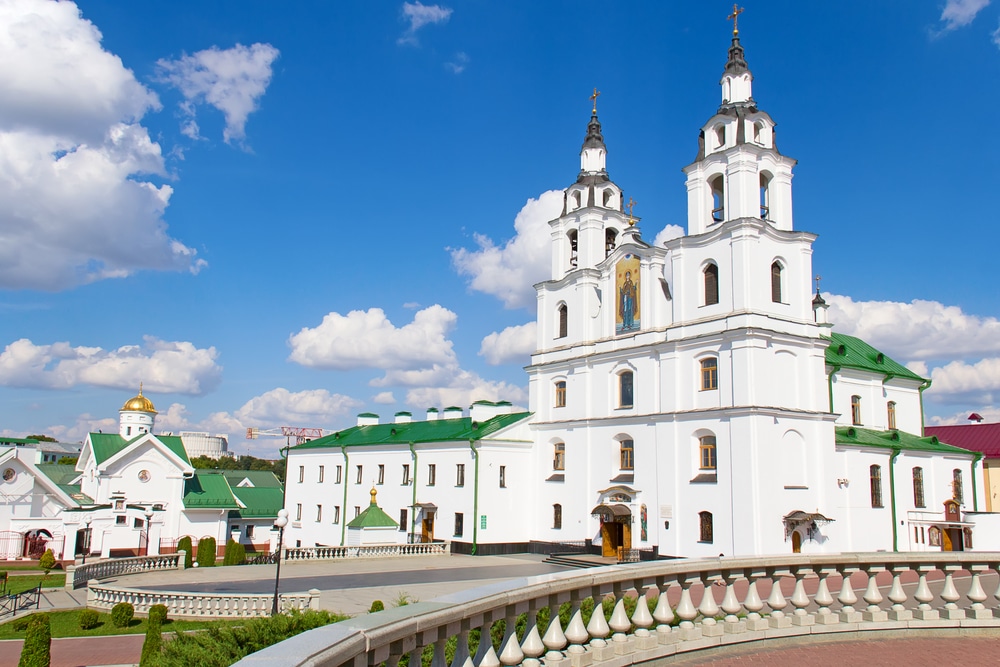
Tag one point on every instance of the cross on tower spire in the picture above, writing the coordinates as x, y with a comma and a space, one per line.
817, 279
734, 17
594, 97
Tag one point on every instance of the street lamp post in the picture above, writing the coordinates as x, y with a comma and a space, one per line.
86, 539
149, 518
280, 523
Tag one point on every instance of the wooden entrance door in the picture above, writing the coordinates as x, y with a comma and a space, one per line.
951, 539
611, 538
796, 542
427, 527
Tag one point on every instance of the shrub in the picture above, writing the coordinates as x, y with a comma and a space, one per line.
37, 643
185, 544
206, 552
89, 619
236, 553
21, 624
47, 561
153, 644
121, 614
376, 606
158, 611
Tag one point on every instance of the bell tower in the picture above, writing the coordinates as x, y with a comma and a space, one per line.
739, 172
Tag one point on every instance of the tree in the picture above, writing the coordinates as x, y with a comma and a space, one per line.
68, 460
154, 636
184, 544
47, 561
206, 552
37, 648
41, 438
236, 553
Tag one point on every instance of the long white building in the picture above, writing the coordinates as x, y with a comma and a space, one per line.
689, 399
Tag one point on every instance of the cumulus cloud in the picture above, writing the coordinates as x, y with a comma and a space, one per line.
512, 344
384, 398
280, 407
915, 331
462, 389
959, 13
990, 415
162, 366
509, 271
419, 15
367, 339
73, 156
668, 233
231, 80
961, 382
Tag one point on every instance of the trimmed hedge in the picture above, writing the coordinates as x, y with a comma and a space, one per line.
206, 552
37, 648
236, 553
89, 619
185, 544
152, 647
121, 614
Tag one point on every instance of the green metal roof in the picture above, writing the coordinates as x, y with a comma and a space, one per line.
864, 437
63, 476
259, 501
259, 478
373, 517
850, 352
107, 445
208, 490
439, 430
17, 441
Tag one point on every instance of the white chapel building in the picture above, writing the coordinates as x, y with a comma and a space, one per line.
687, 400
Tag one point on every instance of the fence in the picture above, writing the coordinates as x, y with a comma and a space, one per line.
370, 551
198, 605
116, 567
11, 604
625, 614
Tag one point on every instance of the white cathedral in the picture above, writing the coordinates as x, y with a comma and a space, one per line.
687, 400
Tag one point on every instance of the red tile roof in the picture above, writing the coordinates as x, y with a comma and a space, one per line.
983, 438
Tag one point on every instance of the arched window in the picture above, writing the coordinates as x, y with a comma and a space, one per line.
709, 374
559, 456
765, 207
718, 185
720, 135
918, 487
607, 197
626, 454
563, 321
856, 410
557, 516
574, 247
875, 479
776, 282
610, 241
705, 527
576, 199
706, 452
890, 409
711, 284
758, 132
561, 394
957, 490
625, 389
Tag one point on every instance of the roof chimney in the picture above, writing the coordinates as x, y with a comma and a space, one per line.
404, 417
975, 417
368, 419
432, 414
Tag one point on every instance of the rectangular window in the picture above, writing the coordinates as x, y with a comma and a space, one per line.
709, 374
503, 477
875, 481
249, 531
460, 475
705, 525
706, 445
625, 392
891, 410
336, 513
557, 516
121, 520
459, 524
319, 513
340, 472
360, 474
431, 474
406, 474
322, 471
381, 473
918, 487
357, 511
856, 410
403, 525
627, 455
298, 512
559, 459
137, 523
302, 474
561, 394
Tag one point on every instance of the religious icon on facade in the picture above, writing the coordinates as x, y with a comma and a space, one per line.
643, 533
627, 315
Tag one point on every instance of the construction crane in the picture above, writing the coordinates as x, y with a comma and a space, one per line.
288, 432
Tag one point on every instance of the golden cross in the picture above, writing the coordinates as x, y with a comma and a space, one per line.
734, 17
594, 97
817, 279
631, 204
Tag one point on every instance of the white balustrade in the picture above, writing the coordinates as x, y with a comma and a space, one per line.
367, 551
197, 605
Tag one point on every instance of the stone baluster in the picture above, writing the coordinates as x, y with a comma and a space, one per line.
577, 636
846, 597
664, 616
753, 604
731, 605
873, 613
554, 639
823, 599
510, 648
686, 610
923, 596
622, 641
709, 608
532, 645
996, 593
950, 594
776, 601
897, 595
799, 598
485, 645
976, 593
438, 659
642, 619
599, 629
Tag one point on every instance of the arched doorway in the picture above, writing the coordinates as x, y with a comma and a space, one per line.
35, 543
796, 542
616, 528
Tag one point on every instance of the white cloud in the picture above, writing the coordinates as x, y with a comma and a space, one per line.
72, 153
84, 424
668, 233
162, 366
990, 415
231, 80
464, 388
995, 35
915, 331
418, 15
280, 407
959, 382
958, 13
458, 64
512, 344
367, 339
509, 272
384, 398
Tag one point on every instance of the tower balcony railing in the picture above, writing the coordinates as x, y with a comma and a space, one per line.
625, 614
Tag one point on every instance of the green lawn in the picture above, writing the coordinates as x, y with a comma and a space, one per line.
67, 624
18, 583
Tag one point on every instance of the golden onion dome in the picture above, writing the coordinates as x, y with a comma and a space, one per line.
138, 403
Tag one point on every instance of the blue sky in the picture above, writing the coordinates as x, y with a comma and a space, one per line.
289, 213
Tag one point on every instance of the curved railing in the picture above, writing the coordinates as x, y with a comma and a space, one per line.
117, 567
198, 605
371, 551
688, 605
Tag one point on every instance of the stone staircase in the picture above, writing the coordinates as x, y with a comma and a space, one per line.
578, 560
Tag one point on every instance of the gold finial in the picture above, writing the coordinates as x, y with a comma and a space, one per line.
631, 204
140, 387
817, 279
374, 493
594, 97
734, 17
